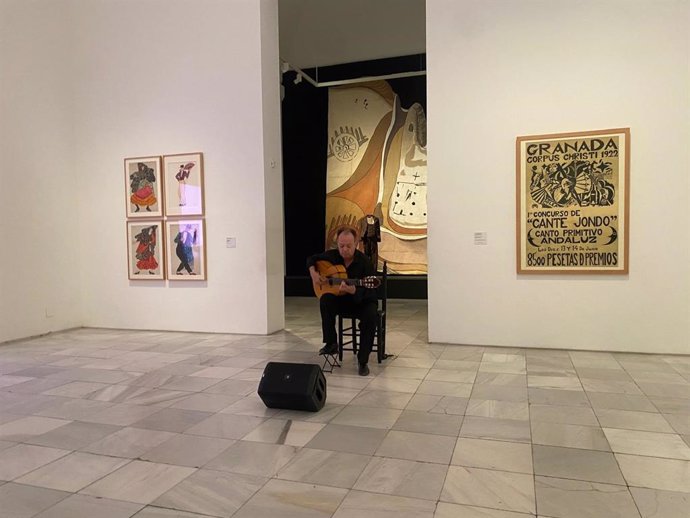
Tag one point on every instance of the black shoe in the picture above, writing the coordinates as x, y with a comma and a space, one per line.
329, 349
363, 369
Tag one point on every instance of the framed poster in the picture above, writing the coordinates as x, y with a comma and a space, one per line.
145, 250
186, 250
184, 184
572, 202
143, 187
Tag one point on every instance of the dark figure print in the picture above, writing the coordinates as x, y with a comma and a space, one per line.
186, 239
578, 183
141, 184
181, 177
145, 252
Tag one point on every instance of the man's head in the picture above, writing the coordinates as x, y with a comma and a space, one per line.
347, 242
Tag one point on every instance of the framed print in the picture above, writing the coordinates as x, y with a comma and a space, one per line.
145, 250
186, 250
572, 202
184, 184
142, 177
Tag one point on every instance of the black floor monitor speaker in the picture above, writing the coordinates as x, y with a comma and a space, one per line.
297, 386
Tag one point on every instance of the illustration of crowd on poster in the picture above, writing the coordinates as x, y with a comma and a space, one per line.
573, 202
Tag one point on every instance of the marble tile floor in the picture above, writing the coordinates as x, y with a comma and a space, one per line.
117, 424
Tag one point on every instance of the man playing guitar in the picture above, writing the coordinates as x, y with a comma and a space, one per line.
349, 299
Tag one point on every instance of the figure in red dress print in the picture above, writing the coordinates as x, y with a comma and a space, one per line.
141, 185
146, 250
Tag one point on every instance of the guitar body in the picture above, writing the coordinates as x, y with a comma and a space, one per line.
330, 271
336, 274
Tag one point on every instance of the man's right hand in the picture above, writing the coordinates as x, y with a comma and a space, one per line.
317, 279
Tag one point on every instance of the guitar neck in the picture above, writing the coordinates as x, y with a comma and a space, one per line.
334, 281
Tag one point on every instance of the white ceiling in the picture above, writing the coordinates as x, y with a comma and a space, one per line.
329, 32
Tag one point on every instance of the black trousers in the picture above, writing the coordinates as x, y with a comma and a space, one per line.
366, 311
182, 256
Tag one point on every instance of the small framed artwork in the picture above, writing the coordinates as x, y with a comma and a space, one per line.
184, 184
143, 191
573, 202
145, 250
186, 250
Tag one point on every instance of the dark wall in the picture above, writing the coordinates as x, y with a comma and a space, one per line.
304, 128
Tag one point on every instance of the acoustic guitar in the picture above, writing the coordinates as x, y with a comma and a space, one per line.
335, 274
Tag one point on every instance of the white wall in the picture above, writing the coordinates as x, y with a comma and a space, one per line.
86, 84
328, 32
39, 264
174, 76
498, 69
273, 167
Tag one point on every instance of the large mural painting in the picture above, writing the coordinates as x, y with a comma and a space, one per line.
377, 167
